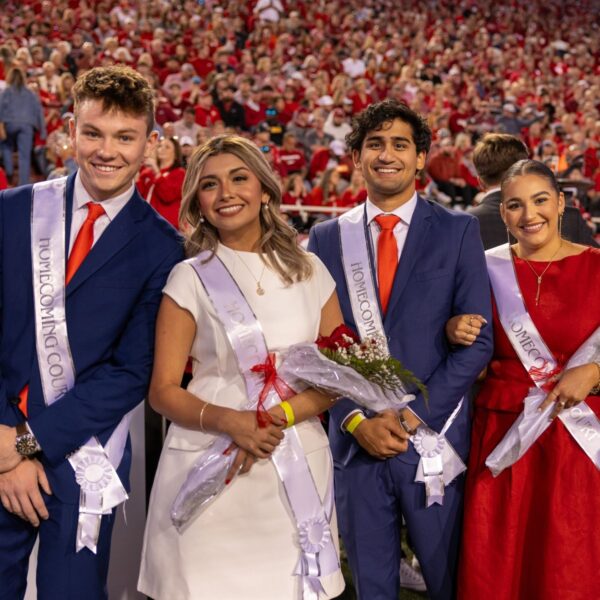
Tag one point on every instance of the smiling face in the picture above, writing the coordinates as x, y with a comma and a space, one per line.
109, 148
165, 153
389, 161
530, 208
231, 197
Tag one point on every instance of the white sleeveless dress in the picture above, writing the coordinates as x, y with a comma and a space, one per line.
244, 545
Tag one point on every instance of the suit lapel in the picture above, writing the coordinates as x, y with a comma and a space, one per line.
415, 242
120, 232
68, 213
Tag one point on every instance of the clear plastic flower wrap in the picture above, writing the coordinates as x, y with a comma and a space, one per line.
363, 371
205, 481
307, 363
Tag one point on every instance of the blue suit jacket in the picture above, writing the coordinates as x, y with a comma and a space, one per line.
442, 273
111, 306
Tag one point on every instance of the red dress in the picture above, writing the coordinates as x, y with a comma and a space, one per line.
532, 533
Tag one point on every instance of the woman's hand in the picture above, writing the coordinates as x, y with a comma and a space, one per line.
573, 387
463, 330
242, 463
241, 426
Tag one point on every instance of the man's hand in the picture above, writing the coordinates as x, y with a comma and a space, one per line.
20, 491
382, 436
9, 457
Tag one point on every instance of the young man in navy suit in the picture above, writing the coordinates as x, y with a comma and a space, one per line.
84, 260
406, 463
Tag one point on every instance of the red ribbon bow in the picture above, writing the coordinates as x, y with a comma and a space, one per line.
271, 380
540, 374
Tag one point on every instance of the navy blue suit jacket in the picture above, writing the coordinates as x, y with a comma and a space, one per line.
442, 273
111, 306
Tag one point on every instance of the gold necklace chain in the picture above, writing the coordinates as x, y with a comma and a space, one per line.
540, 276
259, 288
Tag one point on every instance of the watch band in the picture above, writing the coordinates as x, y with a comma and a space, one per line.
405, 425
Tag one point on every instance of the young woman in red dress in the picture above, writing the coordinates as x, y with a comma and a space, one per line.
531, 532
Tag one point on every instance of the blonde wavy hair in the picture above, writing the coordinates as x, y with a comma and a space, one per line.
277, 245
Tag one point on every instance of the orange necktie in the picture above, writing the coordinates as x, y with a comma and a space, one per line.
387, 257
81, 247
85, 239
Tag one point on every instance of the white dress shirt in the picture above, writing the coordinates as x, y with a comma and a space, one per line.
112, 207
403, 212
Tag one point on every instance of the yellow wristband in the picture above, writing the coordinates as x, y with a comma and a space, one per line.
289, 413
355, 421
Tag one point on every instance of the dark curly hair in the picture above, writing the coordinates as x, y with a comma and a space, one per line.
375, 115
118, 88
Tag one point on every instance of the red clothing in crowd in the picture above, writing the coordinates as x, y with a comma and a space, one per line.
207, 118
3, 179
163, 191
293, 160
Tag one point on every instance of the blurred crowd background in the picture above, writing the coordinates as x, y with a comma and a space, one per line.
290, 74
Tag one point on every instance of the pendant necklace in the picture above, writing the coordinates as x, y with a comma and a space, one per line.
259, 288
540, 276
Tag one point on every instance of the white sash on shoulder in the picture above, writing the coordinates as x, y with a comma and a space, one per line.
94, 466
439, 463
536, 357
313, 517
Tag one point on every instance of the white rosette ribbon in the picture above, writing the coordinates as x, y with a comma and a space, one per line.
439, 464
313, 536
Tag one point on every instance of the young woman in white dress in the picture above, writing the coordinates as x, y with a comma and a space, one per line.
245, 545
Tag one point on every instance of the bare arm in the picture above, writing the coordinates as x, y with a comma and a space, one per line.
175, 331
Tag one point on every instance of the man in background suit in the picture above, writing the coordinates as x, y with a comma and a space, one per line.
492, 157
120, 253
436, 270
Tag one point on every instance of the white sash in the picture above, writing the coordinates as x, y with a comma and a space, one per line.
94, 466
318, 554
536, 357
439, 463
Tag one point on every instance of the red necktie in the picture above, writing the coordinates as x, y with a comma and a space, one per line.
81, 247
85, 239
387, 257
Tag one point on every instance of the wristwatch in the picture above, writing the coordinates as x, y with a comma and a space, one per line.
405, 425
26, 444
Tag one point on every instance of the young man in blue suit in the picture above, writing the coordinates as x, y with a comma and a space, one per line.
83, 260
437, 270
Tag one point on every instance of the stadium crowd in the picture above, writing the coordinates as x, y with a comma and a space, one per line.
291, 74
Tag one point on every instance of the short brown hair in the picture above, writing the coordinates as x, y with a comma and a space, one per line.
495, 153
118, 88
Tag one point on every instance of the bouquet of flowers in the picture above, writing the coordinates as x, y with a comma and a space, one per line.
363, 371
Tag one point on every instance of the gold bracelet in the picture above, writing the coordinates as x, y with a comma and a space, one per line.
290, 417
354, 422
202, 416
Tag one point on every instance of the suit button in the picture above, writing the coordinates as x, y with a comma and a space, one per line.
15, 400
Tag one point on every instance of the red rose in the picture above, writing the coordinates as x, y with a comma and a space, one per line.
336, 340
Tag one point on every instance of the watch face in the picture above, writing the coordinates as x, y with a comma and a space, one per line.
26, 444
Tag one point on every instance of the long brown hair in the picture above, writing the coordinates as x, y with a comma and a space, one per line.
277, 245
